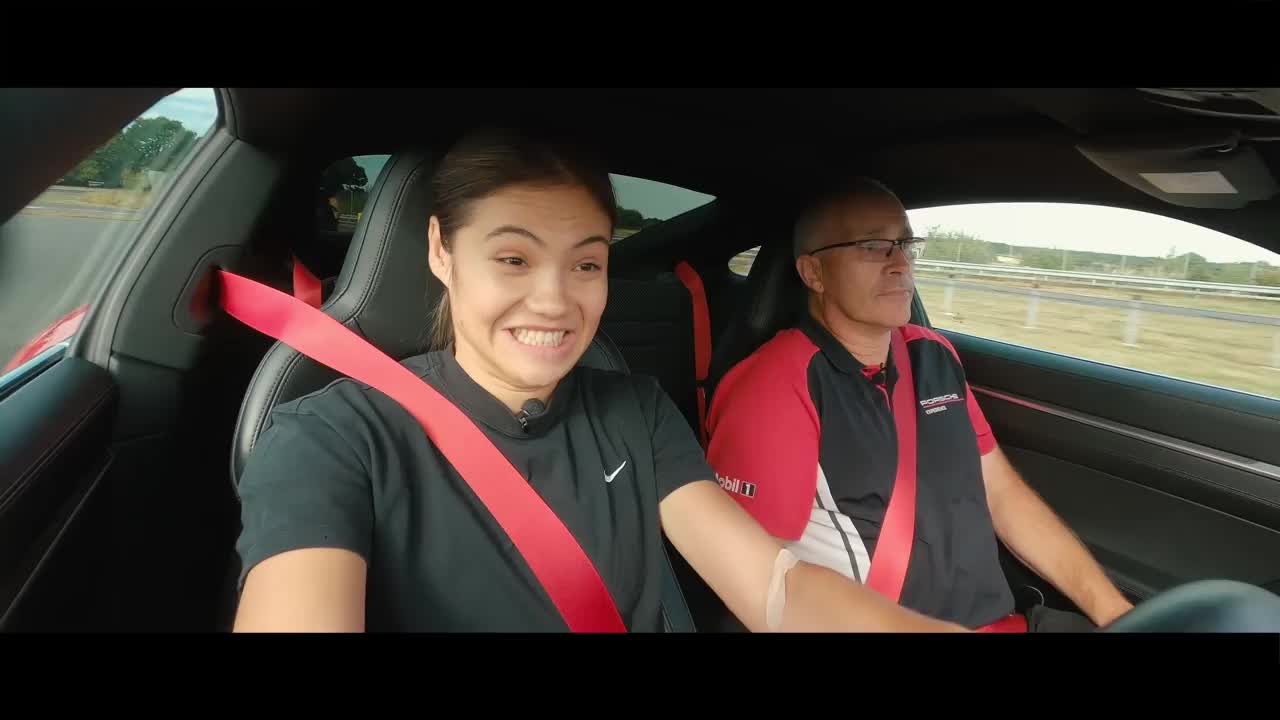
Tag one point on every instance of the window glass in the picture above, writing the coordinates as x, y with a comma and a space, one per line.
645, 203
52, 253
1115, 286
741, 263
344, 188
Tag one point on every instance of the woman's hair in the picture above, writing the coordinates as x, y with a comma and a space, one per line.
486, 161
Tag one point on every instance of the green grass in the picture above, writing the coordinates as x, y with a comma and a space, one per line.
1178, 298
111, 199
1222, 353
130, 199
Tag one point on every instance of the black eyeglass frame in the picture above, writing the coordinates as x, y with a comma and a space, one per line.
907, 245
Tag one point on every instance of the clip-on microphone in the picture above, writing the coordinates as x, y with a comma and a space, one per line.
532, 408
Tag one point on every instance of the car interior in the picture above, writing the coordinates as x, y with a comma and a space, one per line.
121, 449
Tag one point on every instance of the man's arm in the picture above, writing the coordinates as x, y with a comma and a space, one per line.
1037, 537
735, 556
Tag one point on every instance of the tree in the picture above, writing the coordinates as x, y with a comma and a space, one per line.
158, 143
345, 174
106, 165
1043, 258
155, 143
953, 246
629, 218
634, 219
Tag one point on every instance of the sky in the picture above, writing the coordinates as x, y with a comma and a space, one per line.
655, 199
1088, 227
372, 165
195, 108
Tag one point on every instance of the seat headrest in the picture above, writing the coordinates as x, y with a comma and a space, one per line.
385, 290
384, 293
775, 299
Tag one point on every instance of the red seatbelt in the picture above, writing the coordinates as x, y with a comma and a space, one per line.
306, 286
897, 532
546, 544
701, 340
1015, 623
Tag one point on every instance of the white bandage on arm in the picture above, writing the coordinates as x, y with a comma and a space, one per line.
777, 601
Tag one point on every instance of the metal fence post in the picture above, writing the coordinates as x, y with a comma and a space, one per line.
1131, 329
1033, 310
947, 295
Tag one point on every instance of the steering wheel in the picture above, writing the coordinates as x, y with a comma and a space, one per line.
1211, 606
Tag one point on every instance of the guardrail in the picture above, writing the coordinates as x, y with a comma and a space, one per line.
1135, 308
1071, 277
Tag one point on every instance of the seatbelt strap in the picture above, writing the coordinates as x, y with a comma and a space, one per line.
306, 286
897, 532
552, 553
1015, 623
701, 340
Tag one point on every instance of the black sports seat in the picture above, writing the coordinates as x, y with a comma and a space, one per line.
651, 320
775, 298
384, 293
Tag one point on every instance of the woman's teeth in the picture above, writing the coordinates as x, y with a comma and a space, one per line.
539, 338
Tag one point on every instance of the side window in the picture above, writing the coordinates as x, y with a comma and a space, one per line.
645, 203
1121, 287
342, 191
53, 251
740, 264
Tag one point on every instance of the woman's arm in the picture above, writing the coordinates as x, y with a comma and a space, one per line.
735, 557
306, 512
308, 590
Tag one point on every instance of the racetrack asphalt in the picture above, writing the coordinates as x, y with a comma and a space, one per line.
49, 261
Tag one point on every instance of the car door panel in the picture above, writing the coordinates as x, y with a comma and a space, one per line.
1164, 481
1225, 420
52, 453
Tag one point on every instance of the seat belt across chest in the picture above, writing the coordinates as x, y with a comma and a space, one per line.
551, 551
892, 555
897, 531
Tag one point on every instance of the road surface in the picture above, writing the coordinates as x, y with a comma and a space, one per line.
48, 267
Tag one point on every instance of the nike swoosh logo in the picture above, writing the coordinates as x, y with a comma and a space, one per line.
608, 477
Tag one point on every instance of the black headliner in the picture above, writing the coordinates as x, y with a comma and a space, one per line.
934, 146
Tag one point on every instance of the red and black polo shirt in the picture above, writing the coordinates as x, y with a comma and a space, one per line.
802, 436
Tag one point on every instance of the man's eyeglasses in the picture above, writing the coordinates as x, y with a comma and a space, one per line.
912, 247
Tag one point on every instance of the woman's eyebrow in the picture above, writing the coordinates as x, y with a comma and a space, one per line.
517, 230
513, 229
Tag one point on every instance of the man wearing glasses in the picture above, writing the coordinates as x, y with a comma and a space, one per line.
900, 486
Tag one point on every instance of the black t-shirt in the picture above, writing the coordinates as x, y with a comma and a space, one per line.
348, 467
